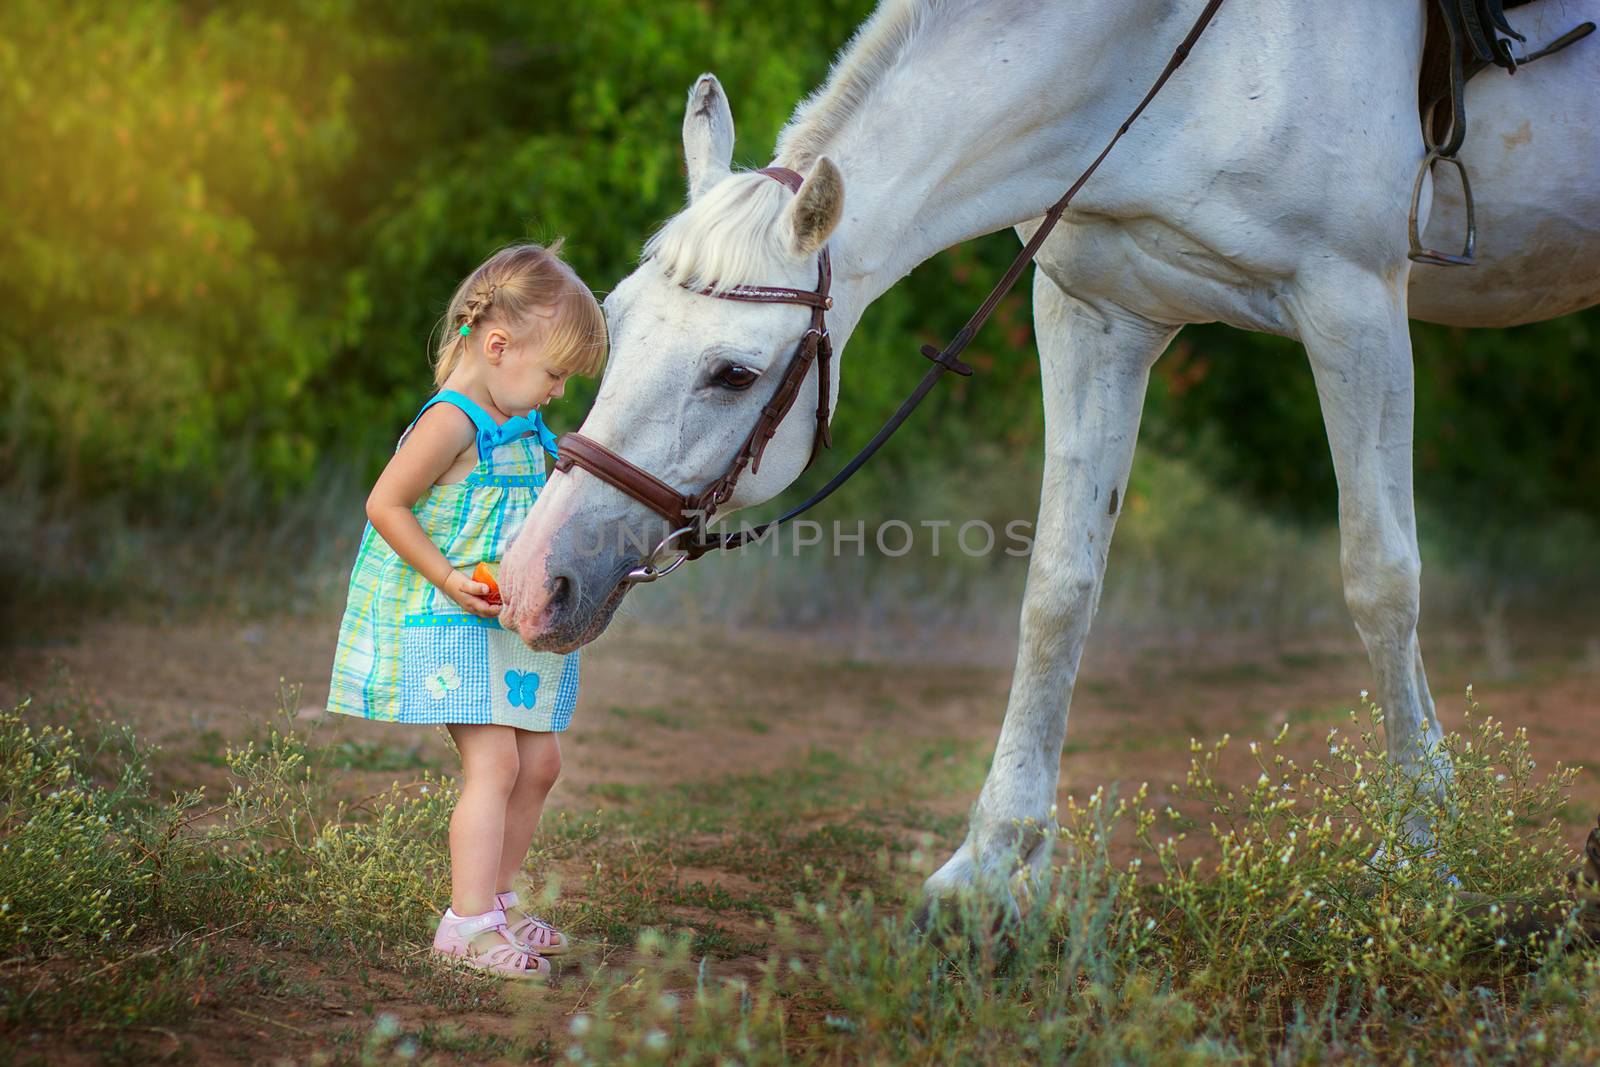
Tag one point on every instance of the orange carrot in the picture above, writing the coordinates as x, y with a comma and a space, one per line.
485, 573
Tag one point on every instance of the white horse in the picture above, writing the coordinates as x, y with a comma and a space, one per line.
1266, 187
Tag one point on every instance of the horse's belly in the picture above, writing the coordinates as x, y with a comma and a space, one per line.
1533, 155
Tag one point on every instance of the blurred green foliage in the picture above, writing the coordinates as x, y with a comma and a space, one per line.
231, 227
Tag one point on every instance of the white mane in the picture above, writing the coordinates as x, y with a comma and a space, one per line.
730, 236
881, 44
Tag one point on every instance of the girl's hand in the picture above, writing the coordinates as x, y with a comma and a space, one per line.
469, 594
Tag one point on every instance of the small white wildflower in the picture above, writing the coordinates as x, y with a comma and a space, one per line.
656, 1041
580, 1025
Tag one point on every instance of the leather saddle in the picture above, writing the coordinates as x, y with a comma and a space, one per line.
1463, 38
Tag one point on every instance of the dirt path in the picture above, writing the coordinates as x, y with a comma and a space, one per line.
662, 708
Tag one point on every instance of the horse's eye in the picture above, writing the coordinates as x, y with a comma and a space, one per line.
736, 377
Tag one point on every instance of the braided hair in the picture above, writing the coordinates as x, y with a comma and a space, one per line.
518, 287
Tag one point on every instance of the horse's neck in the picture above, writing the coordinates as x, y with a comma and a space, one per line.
975, 126
992, 111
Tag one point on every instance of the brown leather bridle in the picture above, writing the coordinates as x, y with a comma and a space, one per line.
689, 514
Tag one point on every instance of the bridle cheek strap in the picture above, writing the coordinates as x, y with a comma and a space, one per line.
574, 449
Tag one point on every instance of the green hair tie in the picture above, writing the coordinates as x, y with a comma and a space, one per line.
465, 330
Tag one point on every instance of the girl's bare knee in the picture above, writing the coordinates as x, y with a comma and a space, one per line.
502, 775
541, 765
489, 759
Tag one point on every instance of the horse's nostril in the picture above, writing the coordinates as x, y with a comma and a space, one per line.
560, 593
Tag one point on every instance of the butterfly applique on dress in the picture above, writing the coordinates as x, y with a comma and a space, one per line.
443, 681
522, 688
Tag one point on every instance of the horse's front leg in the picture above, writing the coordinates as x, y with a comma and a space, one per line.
1095, 366
1355, 331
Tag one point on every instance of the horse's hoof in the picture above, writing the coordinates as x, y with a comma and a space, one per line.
969, 916
1591, 856
923, 919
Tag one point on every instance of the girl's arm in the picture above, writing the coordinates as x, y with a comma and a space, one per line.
428, 451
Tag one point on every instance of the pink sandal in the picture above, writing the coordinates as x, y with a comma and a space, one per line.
512, 958
533, 933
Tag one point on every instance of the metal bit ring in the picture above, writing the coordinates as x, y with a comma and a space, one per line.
647, 571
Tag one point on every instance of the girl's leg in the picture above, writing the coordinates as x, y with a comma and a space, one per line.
539, 759
491, 767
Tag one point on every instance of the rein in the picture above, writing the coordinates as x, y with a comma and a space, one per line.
689, 514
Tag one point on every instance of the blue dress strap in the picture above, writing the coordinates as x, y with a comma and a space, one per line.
492, 434
487, 428
547, 437
480, 418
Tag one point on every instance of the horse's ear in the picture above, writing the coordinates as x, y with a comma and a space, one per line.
707, 135
816, 208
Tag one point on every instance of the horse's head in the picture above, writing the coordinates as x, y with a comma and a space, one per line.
686, 381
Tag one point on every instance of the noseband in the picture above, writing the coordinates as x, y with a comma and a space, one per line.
689, 513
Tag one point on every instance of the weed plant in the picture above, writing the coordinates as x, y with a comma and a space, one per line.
1300, 922
1294, 918
139, 891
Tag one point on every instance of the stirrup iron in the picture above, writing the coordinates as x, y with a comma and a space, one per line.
1469, 249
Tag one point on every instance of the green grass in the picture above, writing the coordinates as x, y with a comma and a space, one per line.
654, 716
1278, 942
354, 755
1184, 545
245, 553
764, 918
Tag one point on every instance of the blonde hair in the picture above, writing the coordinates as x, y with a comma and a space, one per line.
511, 288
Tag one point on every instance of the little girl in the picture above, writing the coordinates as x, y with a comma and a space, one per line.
420, 641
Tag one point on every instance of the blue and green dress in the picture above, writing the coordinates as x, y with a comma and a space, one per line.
409, 653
